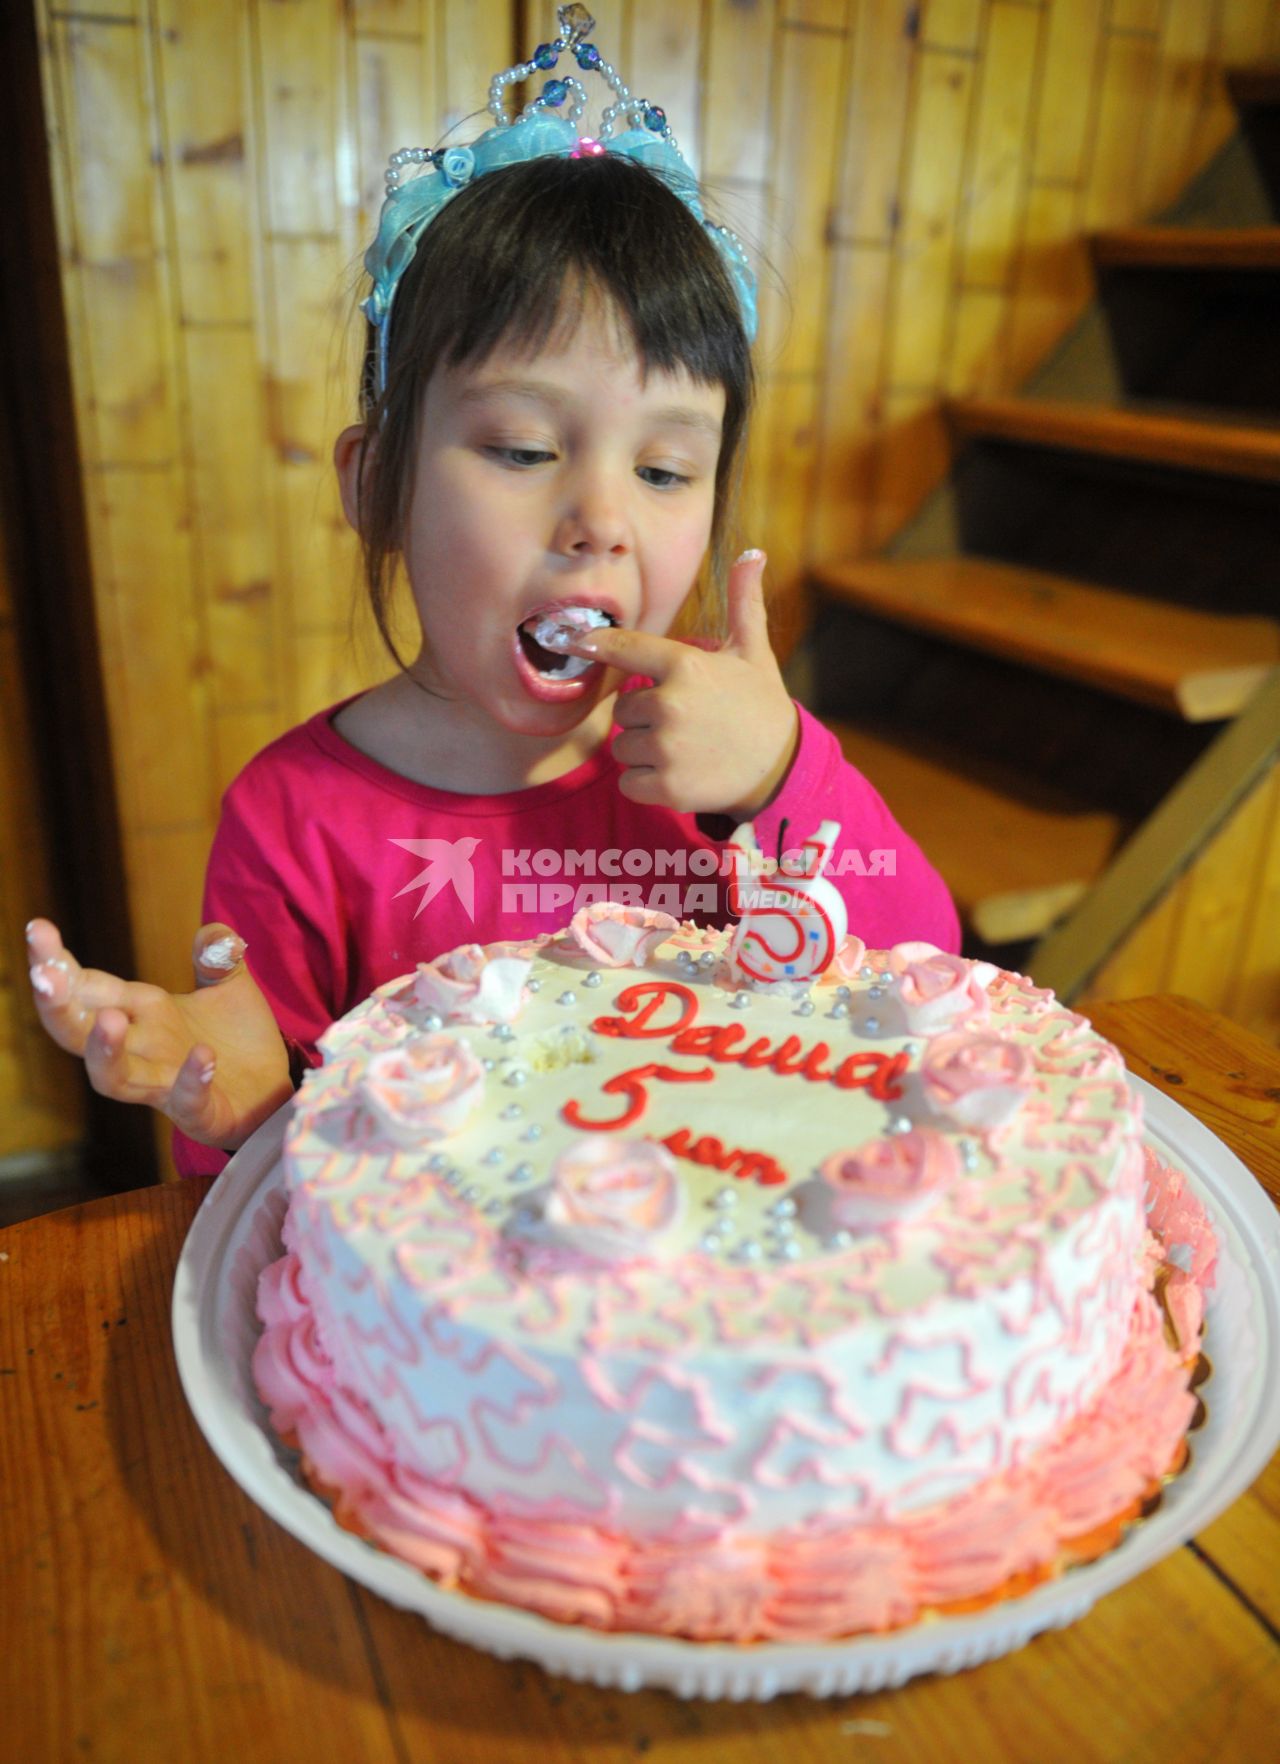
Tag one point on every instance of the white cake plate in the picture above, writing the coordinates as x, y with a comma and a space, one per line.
237, 1232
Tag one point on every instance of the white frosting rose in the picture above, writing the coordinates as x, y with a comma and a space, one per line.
890, 1179
976, 1079
619, 936
614, 1199
937, 991
424, 1089
472, 984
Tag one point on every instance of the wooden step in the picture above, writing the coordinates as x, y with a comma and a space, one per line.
1201, 666
1188, 248
1017, 858
1255, 87
1234, 450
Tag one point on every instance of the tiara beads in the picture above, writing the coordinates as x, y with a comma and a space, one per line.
408, 156
575, 23
546, 126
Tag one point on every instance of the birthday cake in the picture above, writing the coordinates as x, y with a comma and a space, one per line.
696, 1282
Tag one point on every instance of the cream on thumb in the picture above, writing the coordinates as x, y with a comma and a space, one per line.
748, 618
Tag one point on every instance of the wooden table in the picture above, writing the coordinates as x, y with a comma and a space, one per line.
150, 1611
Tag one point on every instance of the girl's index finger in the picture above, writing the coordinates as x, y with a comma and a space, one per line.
633, 652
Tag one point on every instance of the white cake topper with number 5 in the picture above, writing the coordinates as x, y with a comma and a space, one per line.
790, 923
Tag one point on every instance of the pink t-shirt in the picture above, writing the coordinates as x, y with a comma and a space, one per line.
340, 874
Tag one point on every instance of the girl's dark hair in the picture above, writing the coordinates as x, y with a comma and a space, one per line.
505, 262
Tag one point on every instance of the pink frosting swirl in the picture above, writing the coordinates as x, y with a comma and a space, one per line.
976, 1078
890, 1179
938, 991
424, 1089
614, 1199
471, 984
618, 936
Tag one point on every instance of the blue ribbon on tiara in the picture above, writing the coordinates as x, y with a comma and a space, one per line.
536, 133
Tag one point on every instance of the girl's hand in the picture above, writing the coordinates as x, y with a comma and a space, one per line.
717, 731
212, 1060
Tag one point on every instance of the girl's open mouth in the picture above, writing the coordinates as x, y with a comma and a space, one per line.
550, 673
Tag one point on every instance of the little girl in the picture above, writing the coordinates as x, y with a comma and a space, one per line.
553, 428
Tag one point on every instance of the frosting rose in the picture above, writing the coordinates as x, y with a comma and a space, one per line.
890, 1179
423, 1090
471, 984
846, 962
614, 1199
976, 1078
618, 936
937, 990
897, 958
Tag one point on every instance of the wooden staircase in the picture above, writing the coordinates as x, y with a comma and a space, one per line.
1057, 643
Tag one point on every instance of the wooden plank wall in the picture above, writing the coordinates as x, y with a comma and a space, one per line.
41, 1102
1215, 934
917, 176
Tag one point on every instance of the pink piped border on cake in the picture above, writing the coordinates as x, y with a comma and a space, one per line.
1066, 1500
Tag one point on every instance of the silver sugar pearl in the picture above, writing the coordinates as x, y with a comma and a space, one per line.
871, 1025
789, 1251
522, 1173
437, 1161
725, 1197
512, 1112
784, 1208
502, 1032
471, 1194
707, 959
839, 1010
495, 1207
534, 985
875, 992
488, 1063
845, 992
900, 1124
567, 998
433, 1021
805, 1008
750, 1251
532, 1132
516, 1078
492, 1156
866, 972
842, 1239
886, 977
740, 1000
592, 979
711, 1242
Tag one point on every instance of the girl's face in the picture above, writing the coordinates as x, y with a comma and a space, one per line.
551, 482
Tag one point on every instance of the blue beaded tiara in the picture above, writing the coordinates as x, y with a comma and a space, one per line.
536, 133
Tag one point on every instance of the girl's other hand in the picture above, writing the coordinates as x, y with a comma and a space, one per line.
717, 731
212, 1060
